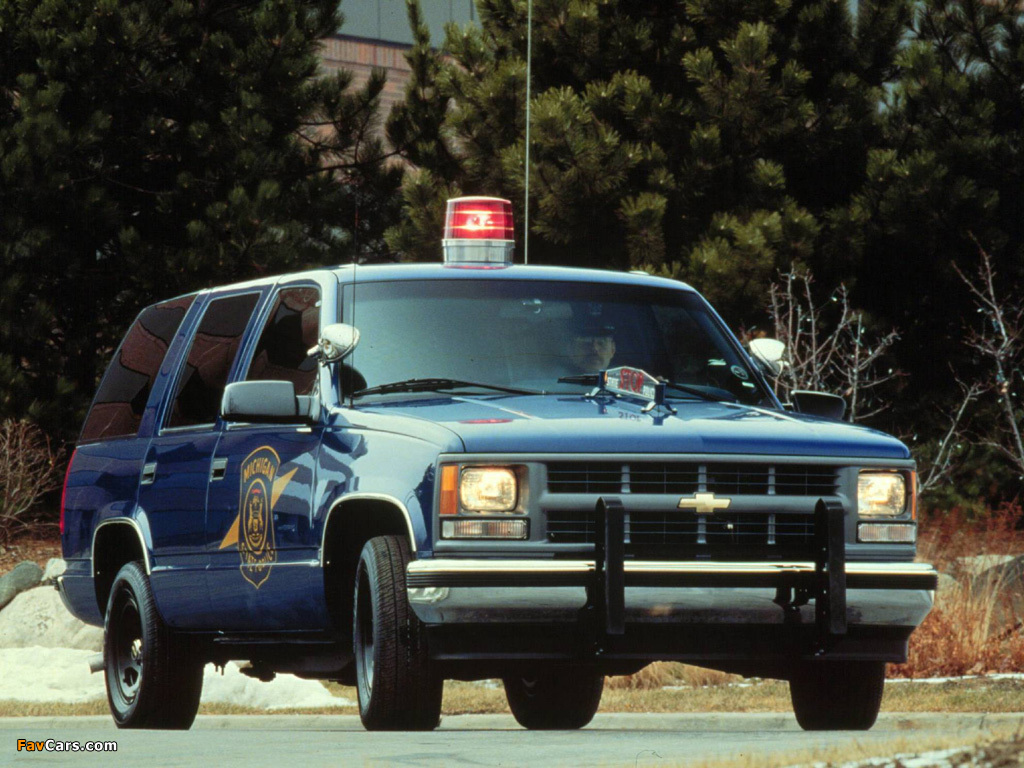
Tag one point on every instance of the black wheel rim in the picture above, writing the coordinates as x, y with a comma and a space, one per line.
364, 632
127, 648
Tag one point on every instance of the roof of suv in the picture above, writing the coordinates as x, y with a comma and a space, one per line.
429, 271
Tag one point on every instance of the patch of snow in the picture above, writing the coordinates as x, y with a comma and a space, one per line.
58, 675
962, 678
61, 675
37, 617
940, 758
283, 692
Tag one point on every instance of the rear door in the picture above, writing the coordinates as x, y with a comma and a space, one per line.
104, 480
176, 473
264, 558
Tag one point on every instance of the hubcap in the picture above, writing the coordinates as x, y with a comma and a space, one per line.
128, 649
364, 631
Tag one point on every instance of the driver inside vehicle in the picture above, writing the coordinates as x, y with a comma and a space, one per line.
591, 347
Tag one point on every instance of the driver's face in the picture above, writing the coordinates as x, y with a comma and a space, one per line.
590, 354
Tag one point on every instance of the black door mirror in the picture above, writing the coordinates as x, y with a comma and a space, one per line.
818, 404
266, 402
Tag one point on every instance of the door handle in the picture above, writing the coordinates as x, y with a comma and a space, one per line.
148, 473
217, 469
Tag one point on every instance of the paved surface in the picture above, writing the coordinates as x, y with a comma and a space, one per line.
470, 740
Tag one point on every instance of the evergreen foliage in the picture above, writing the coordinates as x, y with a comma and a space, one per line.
149, 148
722, 142
713, 141
947, 183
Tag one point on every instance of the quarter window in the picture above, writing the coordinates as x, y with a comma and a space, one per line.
291, 330
213, 351
121, 399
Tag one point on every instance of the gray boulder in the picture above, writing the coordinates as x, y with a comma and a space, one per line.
978, 564
24, 576
1002, 582
38, 618
948, 587
55, 567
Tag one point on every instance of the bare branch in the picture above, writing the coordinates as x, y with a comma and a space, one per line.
941, 467
28, 470
829, 346
999, 342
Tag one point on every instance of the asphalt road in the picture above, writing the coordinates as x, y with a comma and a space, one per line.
470, 740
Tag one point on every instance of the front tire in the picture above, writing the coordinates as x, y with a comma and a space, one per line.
566, 699
398, 689
152, 679
837, 695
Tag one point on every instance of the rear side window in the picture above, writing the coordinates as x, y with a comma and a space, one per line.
201, 384
121, 399
291, 330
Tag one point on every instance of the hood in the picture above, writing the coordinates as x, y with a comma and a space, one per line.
575, 424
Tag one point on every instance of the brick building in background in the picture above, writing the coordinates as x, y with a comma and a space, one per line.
376, 34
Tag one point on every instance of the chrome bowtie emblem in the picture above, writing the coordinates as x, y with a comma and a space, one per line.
704, 503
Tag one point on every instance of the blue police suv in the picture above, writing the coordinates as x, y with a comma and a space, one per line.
393, 475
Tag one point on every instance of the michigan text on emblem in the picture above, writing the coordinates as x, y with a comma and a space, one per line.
256, 544
704, 503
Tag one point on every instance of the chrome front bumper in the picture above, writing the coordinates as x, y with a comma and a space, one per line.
454, 591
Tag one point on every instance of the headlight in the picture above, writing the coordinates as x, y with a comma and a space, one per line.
881, 493
488, 489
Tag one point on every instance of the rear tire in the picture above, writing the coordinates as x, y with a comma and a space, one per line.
837, 695
565, 699
152, 679
397, 686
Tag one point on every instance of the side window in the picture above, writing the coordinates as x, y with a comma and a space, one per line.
213, 350
121, 399
291, 330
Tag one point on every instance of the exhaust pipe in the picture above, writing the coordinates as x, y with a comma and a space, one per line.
96, 663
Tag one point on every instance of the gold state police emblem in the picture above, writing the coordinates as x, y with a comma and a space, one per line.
256, 543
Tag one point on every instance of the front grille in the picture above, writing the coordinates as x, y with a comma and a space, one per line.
756, 532
732, 479
584, 477
778, 531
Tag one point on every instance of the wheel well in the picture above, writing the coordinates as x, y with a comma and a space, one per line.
115, 546
350, 525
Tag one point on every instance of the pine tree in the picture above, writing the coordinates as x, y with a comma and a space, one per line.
950, 185
713, 141
151, 148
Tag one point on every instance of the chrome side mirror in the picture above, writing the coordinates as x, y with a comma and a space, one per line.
336, 343
265, 402
769, 354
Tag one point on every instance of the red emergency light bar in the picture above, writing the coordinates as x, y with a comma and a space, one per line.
478, 230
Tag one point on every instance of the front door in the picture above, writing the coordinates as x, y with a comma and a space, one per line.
264, 569
264, 564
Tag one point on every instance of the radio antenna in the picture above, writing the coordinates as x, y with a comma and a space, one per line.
526, 197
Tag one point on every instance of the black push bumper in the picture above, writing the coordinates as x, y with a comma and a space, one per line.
828, 603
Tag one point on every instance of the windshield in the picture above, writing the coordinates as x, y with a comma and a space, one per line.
528, 334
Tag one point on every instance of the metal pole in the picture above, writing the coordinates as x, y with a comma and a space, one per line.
526, 196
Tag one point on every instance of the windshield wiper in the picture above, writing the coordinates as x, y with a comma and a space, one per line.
583, 378
429, 385
594, 378
698, 392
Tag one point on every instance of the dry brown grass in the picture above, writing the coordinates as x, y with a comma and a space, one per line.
488, 697
975, 627
662, 673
